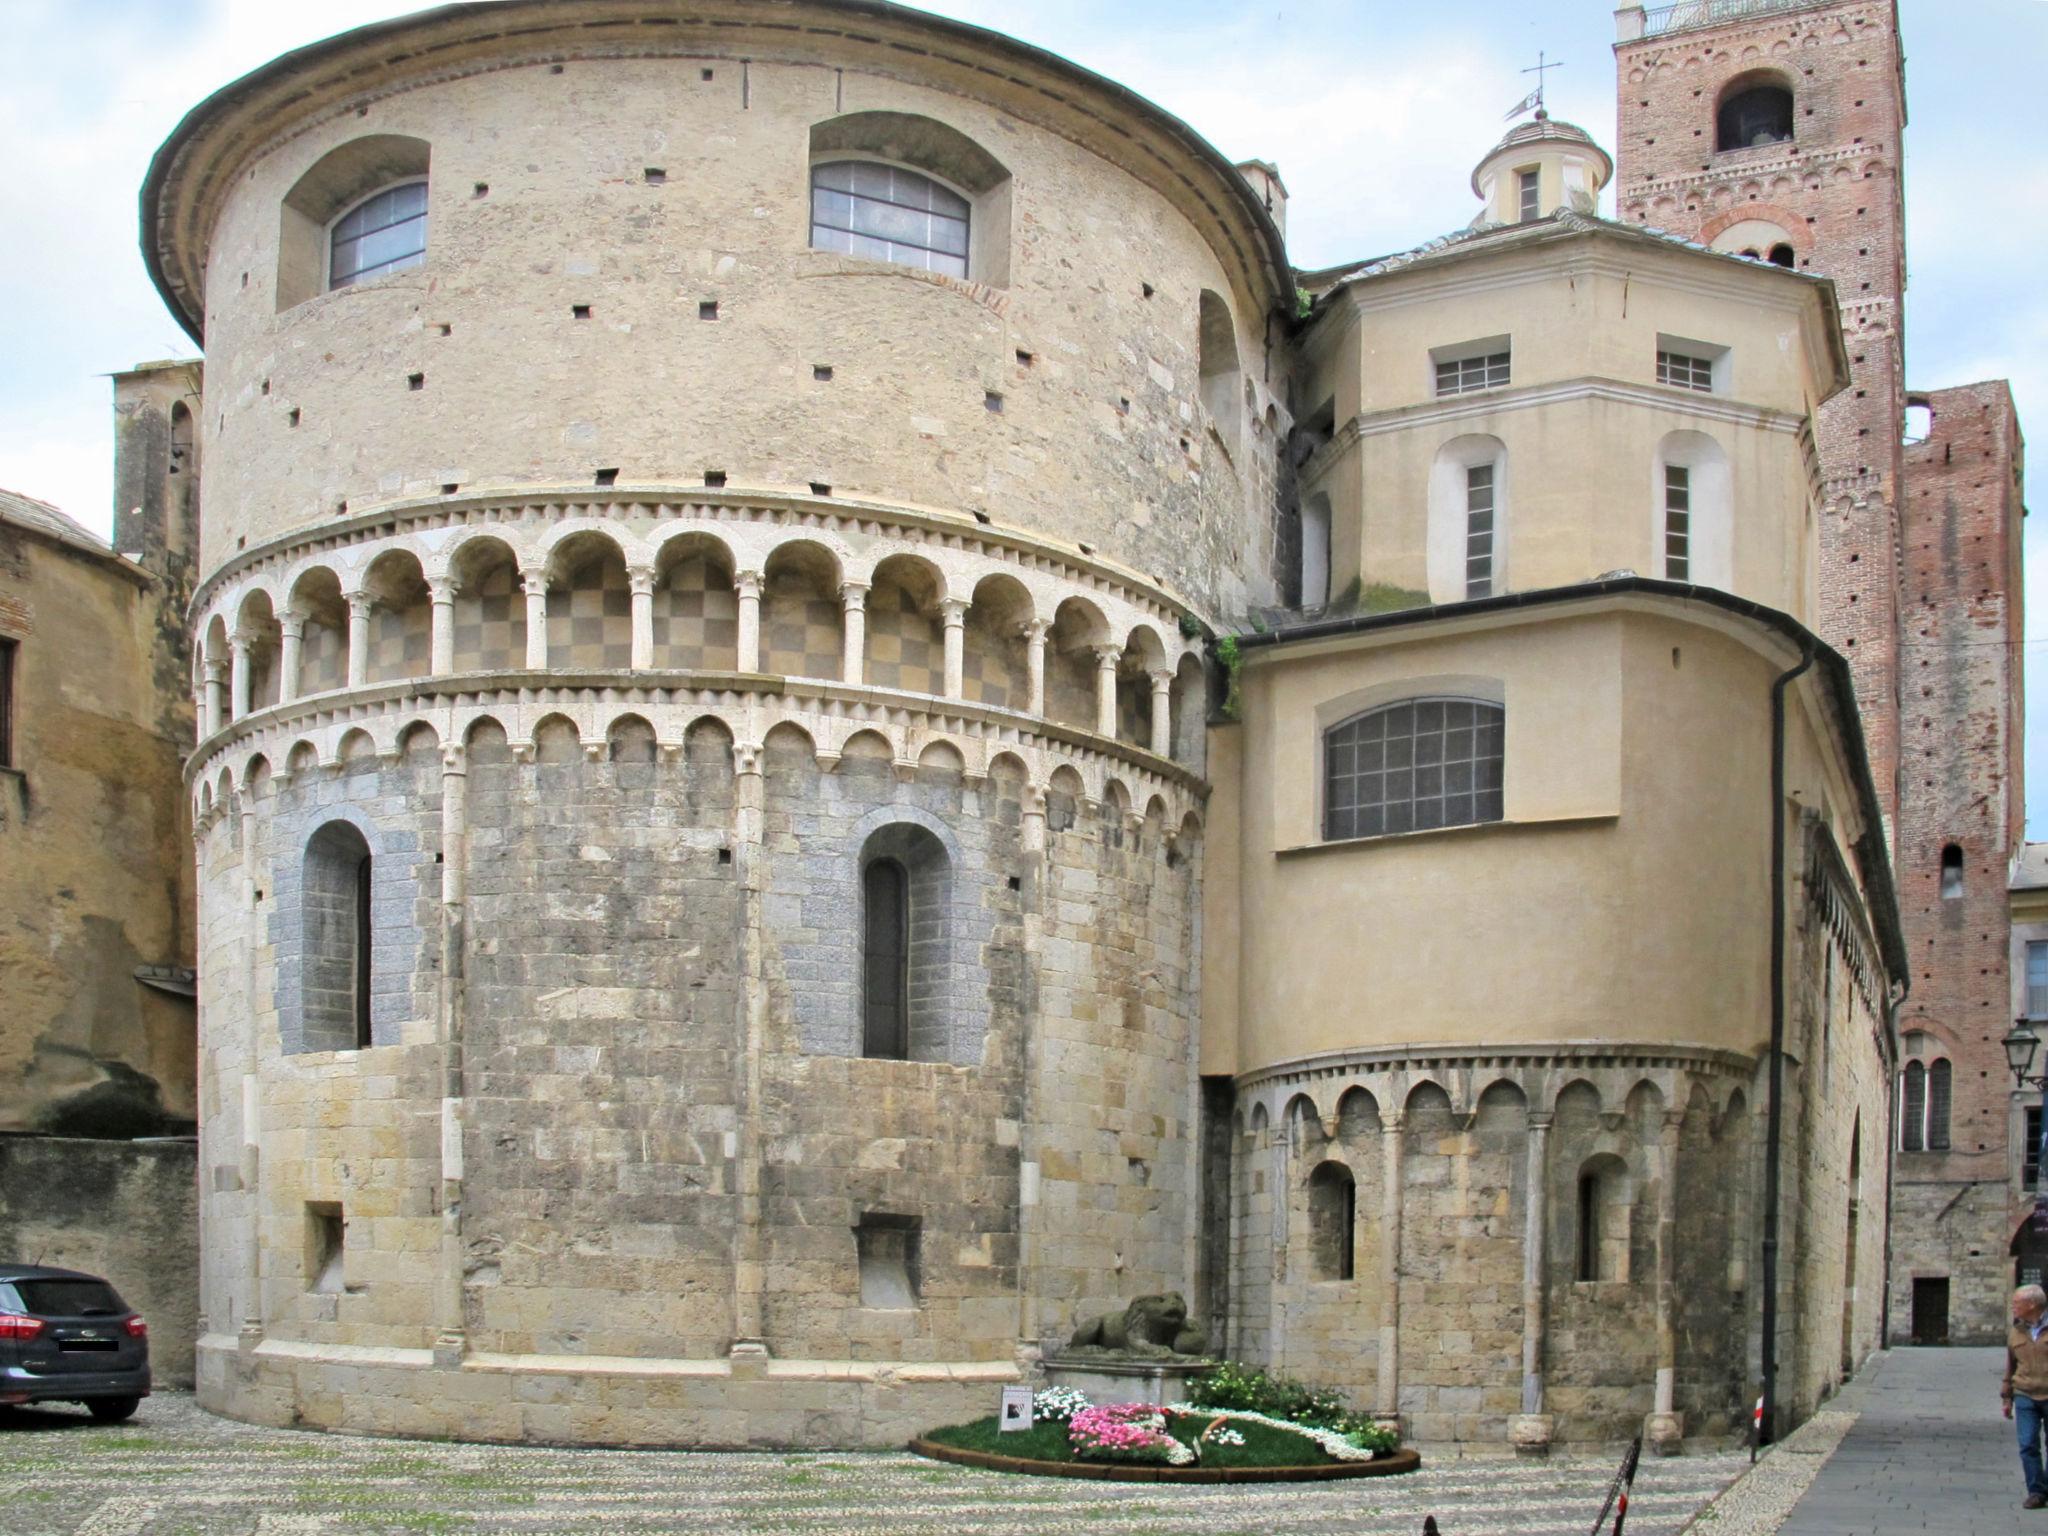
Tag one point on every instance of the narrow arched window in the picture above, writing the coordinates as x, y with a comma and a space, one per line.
1333, 1221
1951, 872
887, 213
1939, 1087
1913, 1108
885, 960
1216, 364
1781, 256
1589, 1226
1761, 114
1315, 552
1412, 766
385, 232
337, 940
1605, 1197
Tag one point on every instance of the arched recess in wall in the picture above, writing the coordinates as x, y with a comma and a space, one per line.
906, 899
1470, 503
1692, 520
1606, 1196
336, 940
1315, 551
400, 629
1217, 362
1332, 1221
330, 187
854, 215
1753, 109
1758, 239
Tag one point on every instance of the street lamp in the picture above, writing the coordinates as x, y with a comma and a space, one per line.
2020, 1047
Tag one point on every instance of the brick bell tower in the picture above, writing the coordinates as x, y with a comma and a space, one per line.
1772, 128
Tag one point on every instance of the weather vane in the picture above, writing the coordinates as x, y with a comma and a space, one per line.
1534, 98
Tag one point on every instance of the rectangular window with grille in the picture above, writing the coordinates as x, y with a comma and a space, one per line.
1479, 531
1677, 523
1913, 1109
1940, 1085
1464, 375
1531, 199
1685, 371
7, 648
2037, 976
1413, 767
2030, 1154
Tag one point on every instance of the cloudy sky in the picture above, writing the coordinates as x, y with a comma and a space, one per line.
1374, 110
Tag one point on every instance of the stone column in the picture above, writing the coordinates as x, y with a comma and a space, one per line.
1029, 1348
853, 628
1034, 662
1387, 1390
954, 611
1106, 659
216, 696
1162, 713
749, 1353
748, 585
292, 629
1529, 1431
251, 1333
536, 587
640, 579
359, 605
240, 685
1665, 1427
441, 592
451, 1340
1279, 1214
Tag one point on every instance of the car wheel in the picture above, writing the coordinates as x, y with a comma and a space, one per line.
112, 1410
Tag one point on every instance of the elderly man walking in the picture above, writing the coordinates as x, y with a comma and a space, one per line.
2026, 1385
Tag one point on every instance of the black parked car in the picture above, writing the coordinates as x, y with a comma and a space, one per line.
67, 1337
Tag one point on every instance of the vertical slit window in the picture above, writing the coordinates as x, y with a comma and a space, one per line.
1913, 1109
7, 653
886, 213
1939, 1088
2037, 979
1479, 531
1589, 1226
1951, 872
1677, 522
885, 960
362, 965
1531, 196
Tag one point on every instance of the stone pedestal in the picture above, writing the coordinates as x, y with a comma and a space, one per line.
1664, 1432
1529, 1434
748, 1360
1108, 1379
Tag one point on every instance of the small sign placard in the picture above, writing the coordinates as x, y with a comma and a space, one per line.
1016, 1414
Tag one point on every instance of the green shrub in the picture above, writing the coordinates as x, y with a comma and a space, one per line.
1236, 1385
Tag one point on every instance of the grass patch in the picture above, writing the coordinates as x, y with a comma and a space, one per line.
1263, 1445
124, 1443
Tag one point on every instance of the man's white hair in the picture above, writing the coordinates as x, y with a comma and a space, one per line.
2033, 1295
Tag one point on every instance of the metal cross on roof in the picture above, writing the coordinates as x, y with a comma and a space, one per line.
1535, 98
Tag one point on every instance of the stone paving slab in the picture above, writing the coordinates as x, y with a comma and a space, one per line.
177, 1471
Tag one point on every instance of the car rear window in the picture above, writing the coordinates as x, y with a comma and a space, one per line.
69, 1298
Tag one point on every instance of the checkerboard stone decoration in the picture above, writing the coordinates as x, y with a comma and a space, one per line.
590, 618
800, 634
906, 648
323, 656
1134, 709
490, 622
994, 666
401, 641
697, 618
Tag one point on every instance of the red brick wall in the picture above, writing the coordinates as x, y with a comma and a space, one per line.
1835, 190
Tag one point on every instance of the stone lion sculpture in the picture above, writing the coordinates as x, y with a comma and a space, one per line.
1152, 1326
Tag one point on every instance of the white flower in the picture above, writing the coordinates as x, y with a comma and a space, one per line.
1337, 1447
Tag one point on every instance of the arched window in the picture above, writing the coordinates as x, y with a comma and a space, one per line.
385, 232
906, 924
1315, 552
1467, 549
1939, 1088
1781, 256
1951, 872
1216, 346
1692, 522
1604, 1201
1913, 1108
1333, 1221
337, 940
1751, 115
888, 213
1412, 766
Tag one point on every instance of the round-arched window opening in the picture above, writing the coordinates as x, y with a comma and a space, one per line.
887, 213
385, 232
1762, 114
1781, 256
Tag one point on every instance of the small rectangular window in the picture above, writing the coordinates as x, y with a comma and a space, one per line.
326, 1241
1685, 371
886, 1246
1464, 375
2037, 975
1677, 523
1531, 198
7, 650
1479, 531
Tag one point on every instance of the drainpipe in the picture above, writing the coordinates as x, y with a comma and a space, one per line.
1775, 1132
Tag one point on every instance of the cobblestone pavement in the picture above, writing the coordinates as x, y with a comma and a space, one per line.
176, 1471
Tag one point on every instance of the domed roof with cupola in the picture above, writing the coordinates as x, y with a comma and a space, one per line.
1567, 167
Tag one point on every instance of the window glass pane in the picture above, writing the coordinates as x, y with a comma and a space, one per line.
383, 233
1938, 1088
1470, 373
887, 213
1443, 768
2037, 979
1913, 1111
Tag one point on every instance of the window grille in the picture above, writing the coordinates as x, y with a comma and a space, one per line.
886, 213
2037, 979
1685, 371
385, 232
1677, 522
2030, 1155
1412, 766
1939, 1088
7, 649
1913, 1109
1531, 200
1479, 531
1464, 375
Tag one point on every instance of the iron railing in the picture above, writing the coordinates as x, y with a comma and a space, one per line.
1711, 13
